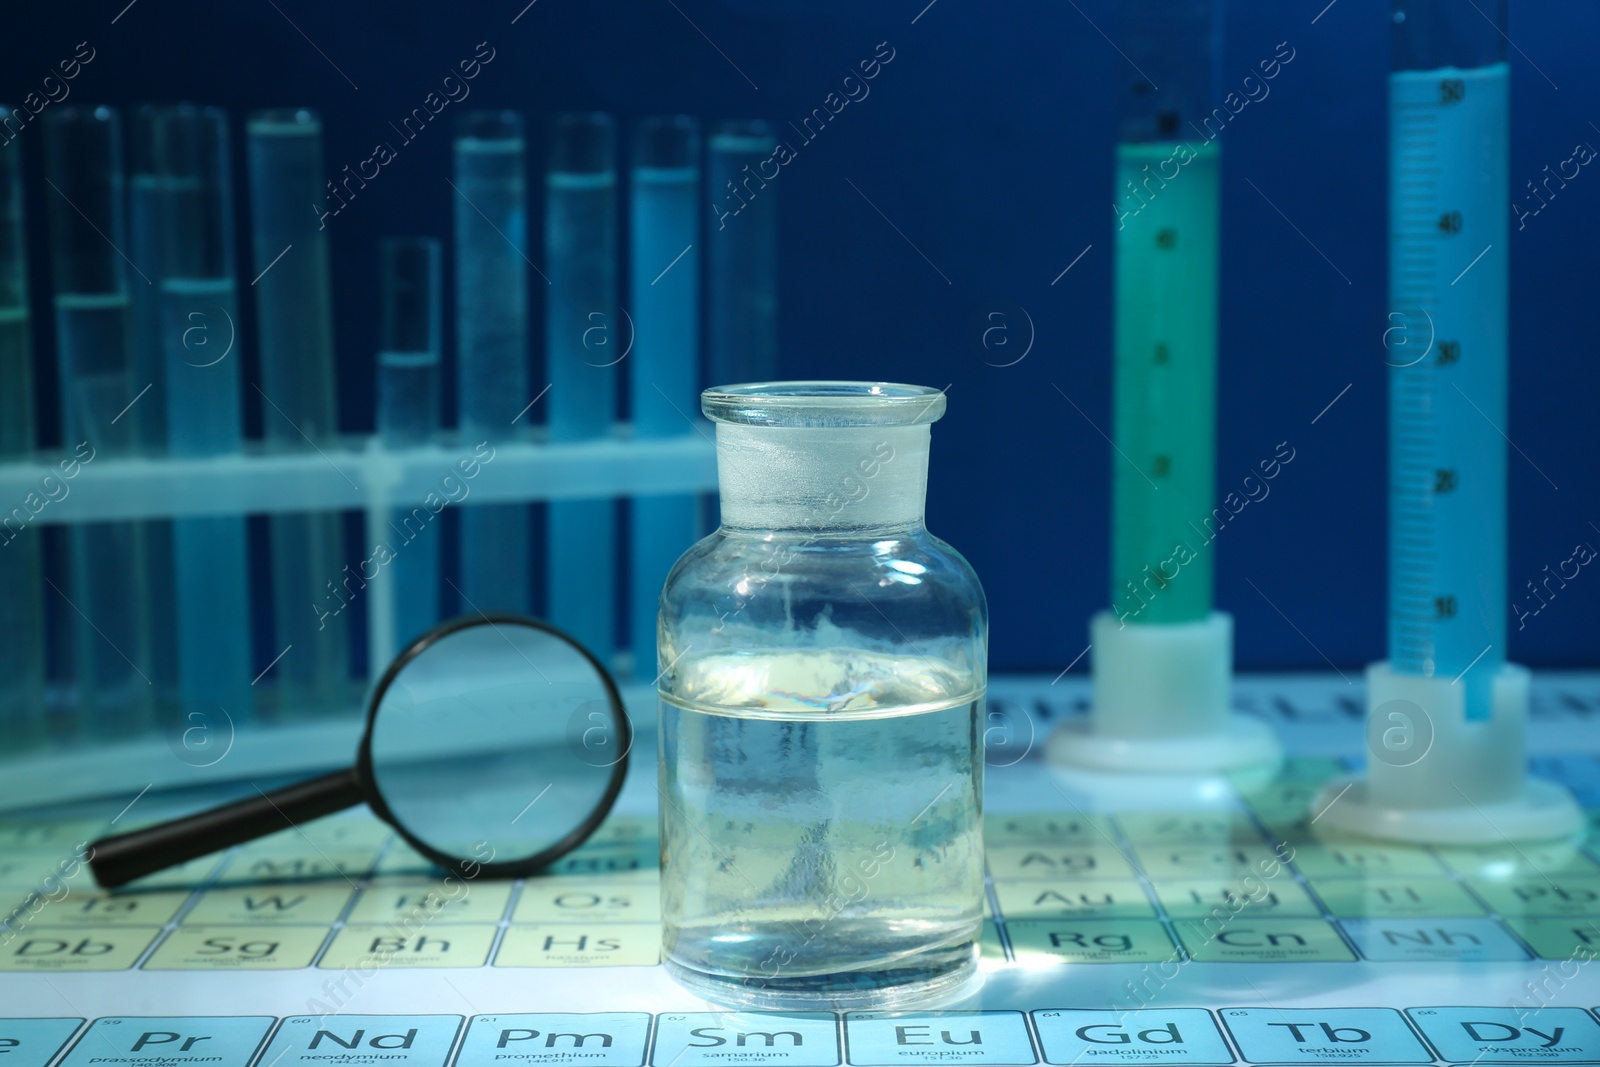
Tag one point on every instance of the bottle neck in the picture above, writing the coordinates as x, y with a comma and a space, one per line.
822, 479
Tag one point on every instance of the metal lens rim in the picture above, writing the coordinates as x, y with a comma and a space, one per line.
472, 868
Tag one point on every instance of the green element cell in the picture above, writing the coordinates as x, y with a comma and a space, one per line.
1163, 468
1249, 940
1411, 898
1065, 898
1165, 827
1555, 859
1559, 939
1211, 862
1046, 826
1090, 941
1053, 861
1537, 895
1252, 897
1365, 861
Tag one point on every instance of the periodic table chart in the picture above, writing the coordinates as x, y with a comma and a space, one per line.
1121, 928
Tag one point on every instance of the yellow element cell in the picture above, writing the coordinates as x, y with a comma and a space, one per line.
990, 946
353, 832
51, 838
1317, 861
1055, 862
1189, 828
1283, 798
76, 950
1556, 859
1315, 769
627, 830
238, 948
1061, 828
1539, 896
405, 861
427, 901
339, 864
1385, 898
564, 900
1250, 940
390, 946
46, 870
581, 945
269, 904
1209, 862
1066, 899
1293, 826
1249, 896
189, 875
96, 910
1090, 941
1576, 939
610, 861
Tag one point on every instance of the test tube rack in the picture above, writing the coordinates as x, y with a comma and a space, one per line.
361, 474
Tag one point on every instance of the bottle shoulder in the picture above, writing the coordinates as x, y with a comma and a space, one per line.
912, 562
874, 619
910, 594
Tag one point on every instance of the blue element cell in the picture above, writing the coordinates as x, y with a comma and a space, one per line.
401, 1040
703, 1039
877, 1038
217, 1040
34, 1042
1507, 1035
604, 1039
1437, 940
1090, 1036
1322, 1035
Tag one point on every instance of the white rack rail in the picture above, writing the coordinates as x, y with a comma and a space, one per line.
358, 474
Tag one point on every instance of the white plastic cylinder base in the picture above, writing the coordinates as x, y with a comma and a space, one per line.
1161, 703
1433, 777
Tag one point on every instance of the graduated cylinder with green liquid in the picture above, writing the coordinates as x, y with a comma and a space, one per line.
1166, 381
1162, 657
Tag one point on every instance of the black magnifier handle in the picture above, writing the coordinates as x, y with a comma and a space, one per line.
119, 860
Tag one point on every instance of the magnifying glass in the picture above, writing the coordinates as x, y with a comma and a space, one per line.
494, 745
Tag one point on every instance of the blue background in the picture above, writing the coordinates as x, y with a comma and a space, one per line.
987, 141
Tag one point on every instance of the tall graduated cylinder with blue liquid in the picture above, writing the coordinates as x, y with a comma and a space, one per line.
823, 669
1447, 715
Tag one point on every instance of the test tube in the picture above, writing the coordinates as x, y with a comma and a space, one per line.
1446, 714
1162, 658
586, 338
741, 255
664, 282
408, 414
150, 419
311, 590
198, 335
491, 235
107, 584
22, 708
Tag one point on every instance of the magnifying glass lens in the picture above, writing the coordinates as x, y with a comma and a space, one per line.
496, 743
